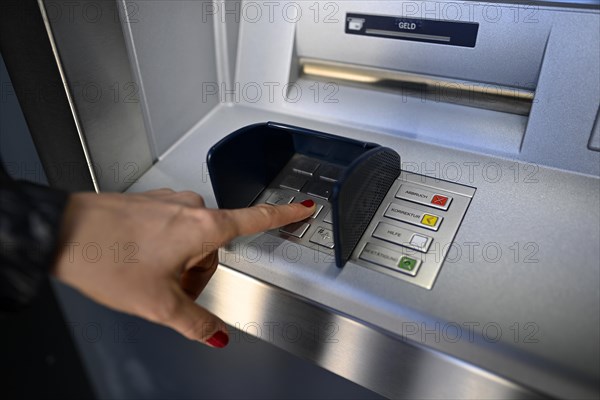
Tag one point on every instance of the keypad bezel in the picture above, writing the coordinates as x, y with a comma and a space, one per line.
430, 262
323, 205
440, 236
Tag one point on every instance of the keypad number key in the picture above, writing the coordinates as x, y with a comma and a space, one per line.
323, 237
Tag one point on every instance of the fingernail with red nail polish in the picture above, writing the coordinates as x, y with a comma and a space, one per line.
308, 203
219, 339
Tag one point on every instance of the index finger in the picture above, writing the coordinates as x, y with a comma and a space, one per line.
260, 218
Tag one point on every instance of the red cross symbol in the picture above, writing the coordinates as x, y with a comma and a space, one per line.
439, 200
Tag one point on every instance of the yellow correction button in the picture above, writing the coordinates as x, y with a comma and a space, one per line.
429, 220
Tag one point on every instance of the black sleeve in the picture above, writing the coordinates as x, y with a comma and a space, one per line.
30, 217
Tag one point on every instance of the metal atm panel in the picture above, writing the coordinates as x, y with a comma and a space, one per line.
512, 311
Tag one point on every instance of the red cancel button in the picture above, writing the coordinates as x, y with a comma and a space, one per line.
439, 200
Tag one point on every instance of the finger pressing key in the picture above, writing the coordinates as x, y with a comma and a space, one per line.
263, 217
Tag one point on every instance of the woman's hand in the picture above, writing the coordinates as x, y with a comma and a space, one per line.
151, 254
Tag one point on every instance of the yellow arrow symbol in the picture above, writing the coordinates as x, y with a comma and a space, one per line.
429, 220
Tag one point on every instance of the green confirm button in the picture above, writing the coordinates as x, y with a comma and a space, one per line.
391, 259
407, 263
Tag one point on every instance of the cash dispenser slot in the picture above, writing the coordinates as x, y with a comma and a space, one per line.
513, 100
477, 92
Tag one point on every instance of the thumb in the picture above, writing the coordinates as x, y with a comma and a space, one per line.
196, 323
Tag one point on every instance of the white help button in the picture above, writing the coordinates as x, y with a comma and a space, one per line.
355, 24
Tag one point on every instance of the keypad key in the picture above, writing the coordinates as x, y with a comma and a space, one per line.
320, 189
402, 236
279, 199
293, 182
305, 166
413, 216
390, 259
323, 237
297, 229
317, 211
420, 195
330, 172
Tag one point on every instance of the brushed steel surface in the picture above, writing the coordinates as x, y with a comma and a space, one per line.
536, 207
385, 363
176, 64
126, 357
500, 57
536, 290
562, 44
90, 44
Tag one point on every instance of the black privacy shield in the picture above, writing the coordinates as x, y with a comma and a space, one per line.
244, 163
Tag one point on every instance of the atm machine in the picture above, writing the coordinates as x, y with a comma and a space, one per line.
464, 265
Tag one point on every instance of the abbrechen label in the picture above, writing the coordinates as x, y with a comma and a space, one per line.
412, 193
422, 196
